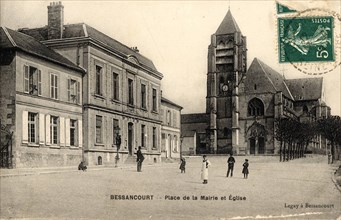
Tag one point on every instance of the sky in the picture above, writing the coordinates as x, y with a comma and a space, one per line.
175, 35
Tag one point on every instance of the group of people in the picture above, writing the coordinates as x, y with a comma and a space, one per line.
230, 166
204, 169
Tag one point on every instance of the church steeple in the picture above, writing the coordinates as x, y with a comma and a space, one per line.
226, 66
228, 25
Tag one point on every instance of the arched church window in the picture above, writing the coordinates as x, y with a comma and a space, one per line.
255, 107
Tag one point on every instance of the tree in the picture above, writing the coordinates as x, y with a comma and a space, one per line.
330, 128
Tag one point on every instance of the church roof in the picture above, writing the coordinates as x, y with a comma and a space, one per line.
276, 79
194, 118
11, 39
84, 30
306, 88
228, 25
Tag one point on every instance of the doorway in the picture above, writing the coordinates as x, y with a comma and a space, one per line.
130, 137
252, 146
261, 144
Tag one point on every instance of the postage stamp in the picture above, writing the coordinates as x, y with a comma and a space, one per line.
308, 39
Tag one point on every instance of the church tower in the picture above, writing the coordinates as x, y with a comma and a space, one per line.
226, 68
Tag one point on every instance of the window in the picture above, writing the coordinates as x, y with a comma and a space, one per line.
143, 134
32, 128
115, 128
98, 129
73, 132
32, 80
98, 80
54, 129
54, 86
115, 86
74, 91
130, 92
143, 96
154, 100
154, 137
255, 107
169, 117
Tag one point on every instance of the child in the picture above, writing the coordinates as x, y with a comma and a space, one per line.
246, 168
183, 165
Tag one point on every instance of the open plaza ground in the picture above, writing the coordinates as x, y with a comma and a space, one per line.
298, 189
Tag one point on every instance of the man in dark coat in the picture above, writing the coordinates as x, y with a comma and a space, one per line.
139, 159
230, 163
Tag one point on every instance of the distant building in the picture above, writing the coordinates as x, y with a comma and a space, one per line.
40, 102
170, 130
122, 90
242, 105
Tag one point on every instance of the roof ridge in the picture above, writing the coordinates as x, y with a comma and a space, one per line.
118, 42
9, 37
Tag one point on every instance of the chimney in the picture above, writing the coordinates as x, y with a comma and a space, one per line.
55, 20
135, 49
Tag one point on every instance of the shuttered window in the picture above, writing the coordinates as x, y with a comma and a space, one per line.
54, 86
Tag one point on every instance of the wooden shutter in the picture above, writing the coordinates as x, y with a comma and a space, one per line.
56, 86
62, 131
47, 130
26, 79
25, 127
67, 132
41, 128
39, 82
51, 86
78, 92
68, 89
80, 133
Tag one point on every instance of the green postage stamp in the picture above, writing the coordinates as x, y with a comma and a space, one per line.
306, 39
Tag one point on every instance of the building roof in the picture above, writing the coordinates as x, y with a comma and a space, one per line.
306, 88
163, 99
228, 25
84, 30
195, 118
277, 80
11, 39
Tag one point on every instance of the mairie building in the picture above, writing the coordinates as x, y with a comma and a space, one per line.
107, 92
242, 104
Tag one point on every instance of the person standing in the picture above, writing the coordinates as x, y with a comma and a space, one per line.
139, 159
183, 165
204, 169
246, 168
230, 164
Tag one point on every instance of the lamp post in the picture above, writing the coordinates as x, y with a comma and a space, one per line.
181, 140
118, 143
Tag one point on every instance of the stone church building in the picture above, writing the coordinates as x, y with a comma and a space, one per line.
242, 104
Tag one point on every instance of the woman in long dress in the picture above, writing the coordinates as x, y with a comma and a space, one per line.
204, 169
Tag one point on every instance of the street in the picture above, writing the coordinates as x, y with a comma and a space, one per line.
301, 188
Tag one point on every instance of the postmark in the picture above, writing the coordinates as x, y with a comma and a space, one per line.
310, 40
